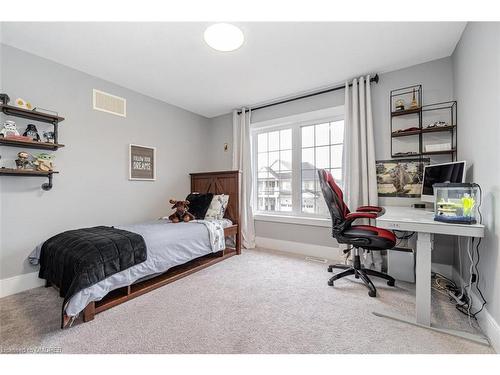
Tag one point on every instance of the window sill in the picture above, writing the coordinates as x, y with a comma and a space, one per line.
288, 219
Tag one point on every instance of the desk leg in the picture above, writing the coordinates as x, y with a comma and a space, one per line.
423, 282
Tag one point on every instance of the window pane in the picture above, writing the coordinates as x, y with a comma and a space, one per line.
274, 141
274, 158
337, 132
308, 136
286, 160
337, 175
286, 139
322, 157
307, 158
262, 142
336, 156
262, 161
322, 134
308, 191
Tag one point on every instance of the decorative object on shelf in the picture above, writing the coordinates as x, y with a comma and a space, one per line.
414, 103
409, 153
32, 132
399, 105
410, 129
23, 161
142, 163
437, 124
49, 137
181, 211
400, 178
9, 129
438, 147
21, 103
4, 99
44, 162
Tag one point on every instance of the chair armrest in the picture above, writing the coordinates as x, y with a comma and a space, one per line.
373, 209
360, 215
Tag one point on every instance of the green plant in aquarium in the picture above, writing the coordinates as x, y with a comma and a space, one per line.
468, 204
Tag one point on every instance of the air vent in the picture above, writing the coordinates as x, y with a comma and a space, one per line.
110, 103
315, 259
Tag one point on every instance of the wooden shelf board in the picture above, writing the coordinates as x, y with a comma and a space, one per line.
24, 172
424, 130
29, 114
447, 152
406, 112
28, 144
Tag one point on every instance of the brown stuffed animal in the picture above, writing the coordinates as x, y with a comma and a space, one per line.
181, 211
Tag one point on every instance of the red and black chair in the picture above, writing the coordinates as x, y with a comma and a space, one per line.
365, 237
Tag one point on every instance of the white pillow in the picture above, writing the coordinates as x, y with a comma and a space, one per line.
217, 207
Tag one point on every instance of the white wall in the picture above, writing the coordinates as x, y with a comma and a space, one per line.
92, 187
476, 73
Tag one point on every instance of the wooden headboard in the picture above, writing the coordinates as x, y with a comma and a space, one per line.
225, 182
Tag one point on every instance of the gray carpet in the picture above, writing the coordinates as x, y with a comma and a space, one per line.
259, 302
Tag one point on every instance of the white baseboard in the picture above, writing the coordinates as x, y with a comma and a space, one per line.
299, 248
19, 283
488, 324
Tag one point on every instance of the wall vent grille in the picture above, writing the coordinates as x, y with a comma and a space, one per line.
316, 259
108, 103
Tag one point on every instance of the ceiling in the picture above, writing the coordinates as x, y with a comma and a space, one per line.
171, 62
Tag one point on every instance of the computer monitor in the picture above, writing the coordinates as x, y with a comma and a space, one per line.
440, 173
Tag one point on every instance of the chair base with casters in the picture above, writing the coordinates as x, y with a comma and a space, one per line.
359, 272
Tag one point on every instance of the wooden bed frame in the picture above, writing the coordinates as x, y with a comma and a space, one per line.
226, 182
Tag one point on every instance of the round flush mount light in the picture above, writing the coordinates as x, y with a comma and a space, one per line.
224, 37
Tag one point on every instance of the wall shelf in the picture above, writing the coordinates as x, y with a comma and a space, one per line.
33, 115
406, 112
424, 130
29, 173
28, 144
30, 114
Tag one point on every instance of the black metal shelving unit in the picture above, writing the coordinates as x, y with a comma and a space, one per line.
422, 129
33, 115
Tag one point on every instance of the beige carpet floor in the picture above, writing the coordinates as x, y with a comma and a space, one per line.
259, 302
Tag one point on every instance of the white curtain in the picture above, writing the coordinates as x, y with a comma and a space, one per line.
242, 161
359, 170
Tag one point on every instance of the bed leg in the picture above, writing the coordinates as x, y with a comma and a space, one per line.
238, 241
48, 284
89, 312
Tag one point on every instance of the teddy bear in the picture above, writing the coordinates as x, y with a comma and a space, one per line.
181, 211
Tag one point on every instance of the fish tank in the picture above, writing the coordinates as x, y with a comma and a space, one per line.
456, 202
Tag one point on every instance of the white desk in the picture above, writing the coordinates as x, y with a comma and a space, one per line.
422, 222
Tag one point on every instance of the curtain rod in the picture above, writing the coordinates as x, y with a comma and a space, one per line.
340, 87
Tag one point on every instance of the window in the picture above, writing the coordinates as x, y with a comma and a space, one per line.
286, 160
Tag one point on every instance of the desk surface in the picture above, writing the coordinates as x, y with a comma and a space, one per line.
420, 220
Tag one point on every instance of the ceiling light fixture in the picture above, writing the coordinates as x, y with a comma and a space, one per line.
224, 37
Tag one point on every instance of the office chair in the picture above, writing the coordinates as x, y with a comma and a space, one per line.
365, 237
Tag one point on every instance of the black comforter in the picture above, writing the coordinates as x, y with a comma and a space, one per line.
77, 259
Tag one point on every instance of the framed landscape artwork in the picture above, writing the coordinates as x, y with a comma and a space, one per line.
142, 163
400, 178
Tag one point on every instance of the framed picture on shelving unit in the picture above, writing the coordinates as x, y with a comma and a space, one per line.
142, 163
400, 178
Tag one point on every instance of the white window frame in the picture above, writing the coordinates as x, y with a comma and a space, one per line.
295, 122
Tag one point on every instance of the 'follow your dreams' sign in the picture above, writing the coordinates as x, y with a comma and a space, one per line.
142, 163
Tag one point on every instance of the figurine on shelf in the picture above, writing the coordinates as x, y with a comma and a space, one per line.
49, 137
21, 103
23, 161
414, 103
32, 132
4, 99
9, 129
400, 105
44, 162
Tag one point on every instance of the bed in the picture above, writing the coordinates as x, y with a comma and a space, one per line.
174, 250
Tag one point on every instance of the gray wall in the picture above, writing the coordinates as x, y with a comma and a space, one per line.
436, 78
92, 187
476, 73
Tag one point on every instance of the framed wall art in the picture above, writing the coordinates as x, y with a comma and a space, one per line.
142, 163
